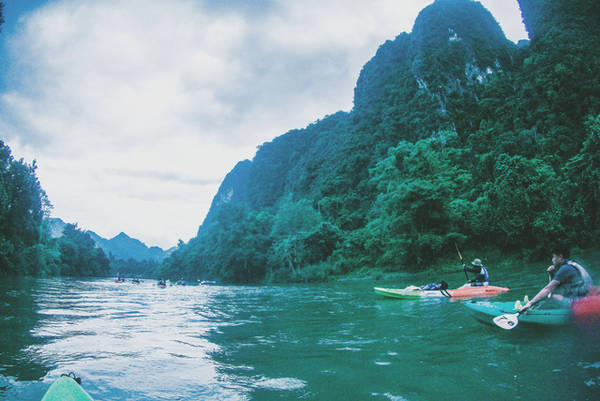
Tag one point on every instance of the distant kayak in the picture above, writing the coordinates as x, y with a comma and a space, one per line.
66, 388
466, 291
486, 311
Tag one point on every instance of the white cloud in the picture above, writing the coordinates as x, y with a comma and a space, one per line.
508, 15
137, 109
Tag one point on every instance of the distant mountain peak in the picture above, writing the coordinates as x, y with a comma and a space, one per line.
121, 246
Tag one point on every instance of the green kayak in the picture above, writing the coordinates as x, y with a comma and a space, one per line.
485, 311
65, 388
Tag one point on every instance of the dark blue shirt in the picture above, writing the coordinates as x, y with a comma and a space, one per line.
570, 282
566, 274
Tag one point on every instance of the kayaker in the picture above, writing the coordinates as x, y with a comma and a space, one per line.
482, 277
568, 281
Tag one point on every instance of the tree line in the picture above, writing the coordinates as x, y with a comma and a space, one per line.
26, 246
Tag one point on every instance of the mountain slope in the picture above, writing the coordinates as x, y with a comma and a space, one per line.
456, 135
124, 247
121, 246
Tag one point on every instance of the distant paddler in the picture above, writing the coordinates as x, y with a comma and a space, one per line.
482, 277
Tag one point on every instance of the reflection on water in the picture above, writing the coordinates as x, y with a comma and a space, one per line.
18, 316
316, 342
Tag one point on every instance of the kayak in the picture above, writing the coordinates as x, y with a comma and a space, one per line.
485, 311
66, 389
466, 291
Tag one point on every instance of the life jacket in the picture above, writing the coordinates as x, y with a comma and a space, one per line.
578, 287
482, 276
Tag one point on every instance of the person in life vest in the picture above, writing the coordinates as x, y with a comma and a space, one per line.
568, 281
482, 277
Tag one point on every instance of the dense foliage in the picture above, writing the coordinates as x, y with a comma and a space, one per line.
26, 247
78, 254
456, 136
22, 207
133, 268
28, 242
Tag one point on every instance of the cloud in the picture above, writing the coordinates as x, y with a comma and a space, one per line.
508, 14
137, 109
161, 176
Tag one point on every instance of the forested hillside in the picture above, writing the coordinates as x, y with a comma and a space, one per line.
26, 244
457, 135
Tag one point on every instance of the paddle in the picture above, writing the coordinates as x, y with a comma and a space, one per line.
461, 261
507, 321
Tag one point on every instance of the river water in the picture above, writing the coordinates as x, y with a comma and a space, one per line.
335, 341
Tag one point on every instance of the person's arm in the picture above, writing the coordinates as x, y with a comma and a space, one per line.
472, 269
541, 295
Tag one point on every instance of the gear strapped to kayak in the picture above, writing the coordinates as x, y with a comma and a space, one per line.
442, 286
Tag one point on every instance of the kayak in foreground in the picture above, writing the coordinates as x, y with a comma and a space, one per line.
65, 388
466, 291
486, 311
586, 311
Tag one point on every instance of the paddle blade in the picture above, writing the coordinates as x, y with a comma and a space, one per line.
508, 321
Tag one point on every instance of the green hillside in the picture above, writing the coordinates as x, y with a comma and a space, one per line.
457, 135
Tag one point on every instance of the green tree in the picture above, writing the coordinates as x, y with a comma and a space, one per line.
79, 255
23, 205
581, 187
523, 203
418, 185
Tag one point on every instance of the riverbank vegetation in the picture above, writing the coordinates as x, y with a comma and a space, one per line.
26, 246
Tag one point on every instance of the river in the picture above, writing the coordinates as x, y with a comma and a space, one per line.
337, 341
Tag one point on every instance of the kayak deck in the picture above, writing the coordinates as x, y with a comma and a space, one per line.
66, 389
467, 291
485, 311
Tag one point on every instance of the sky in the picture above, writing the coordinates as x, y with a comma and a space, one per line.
135, 110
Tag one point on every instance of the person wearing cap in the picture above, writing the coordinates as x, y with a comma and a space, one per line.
482, 277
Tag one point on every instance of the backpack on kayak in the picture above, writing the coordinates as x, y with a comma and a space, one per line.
442, 285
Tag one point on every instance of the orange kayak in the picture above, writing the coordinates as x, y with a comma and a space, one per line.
466, 291
477, 291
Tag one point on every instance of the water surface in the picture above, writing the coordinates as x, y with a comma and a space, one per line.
310, 342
